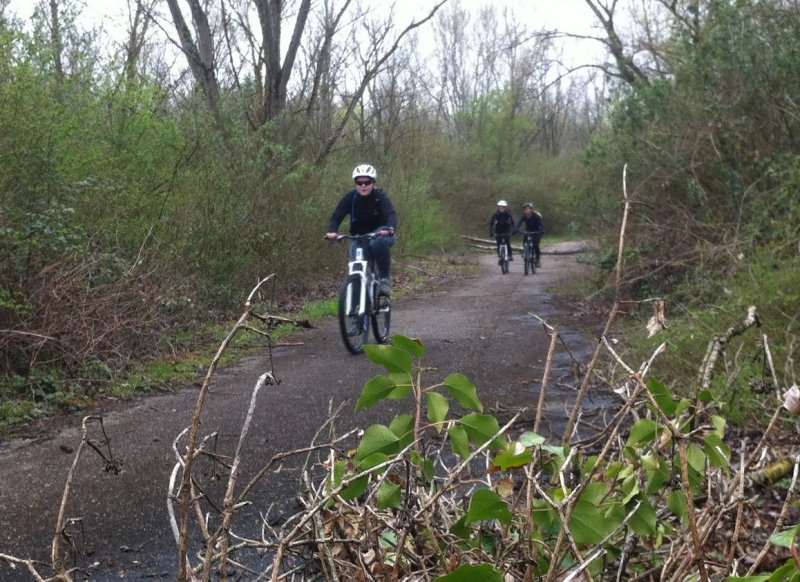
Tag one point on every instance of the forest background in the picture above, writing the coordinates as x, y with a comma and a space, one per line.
147, 187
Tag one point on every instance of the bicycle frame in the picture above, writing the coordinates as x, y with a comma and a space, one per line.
528, 244
361, 268
504, 241
529, 250
368, 309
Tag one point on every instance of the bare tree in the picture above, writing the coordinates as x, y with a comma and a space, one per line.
138, 26
451, 57
372, 64
56, 40
627, 69
199, 52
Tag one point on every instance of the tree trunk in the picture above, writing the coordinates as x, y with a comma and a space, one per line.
199, 54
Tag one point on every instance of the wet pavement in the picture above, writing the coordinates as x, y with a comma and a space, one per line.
480, 325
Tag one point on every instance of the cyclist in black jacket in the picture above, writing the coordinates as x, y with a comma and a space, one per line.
501, 226
370, 210
532, 221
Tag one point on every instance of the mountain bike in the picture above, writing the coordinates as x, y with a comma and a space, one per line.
360, 304
529, 258
502, 253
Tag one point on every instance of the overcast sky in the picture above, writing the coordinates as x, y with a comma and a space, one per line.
569, 16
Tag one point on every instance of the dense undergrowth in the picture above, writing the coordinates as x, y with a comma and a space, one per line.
696, 314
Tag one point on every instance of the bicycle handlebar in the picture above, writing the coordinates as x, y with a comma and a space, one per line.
369, 235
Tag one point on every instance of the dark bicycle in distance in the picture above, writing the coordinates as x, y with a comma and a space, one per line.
530, 238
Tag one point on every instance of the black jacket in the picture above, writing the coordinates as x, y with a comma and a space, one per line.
367, 213
532, 223
501, 223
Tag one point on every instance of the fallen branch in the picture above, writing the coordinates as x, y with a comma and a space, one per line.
718, 345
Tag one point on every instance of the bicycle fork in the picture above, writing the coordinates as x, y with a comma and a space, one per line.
358, 267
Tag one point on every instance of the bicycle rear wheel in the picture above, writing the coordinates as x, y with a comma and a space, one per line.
354, 327
381, 318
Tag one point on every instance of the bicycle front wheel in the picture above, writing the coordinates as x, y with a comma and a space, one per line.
381, 318
527, 260
354, 326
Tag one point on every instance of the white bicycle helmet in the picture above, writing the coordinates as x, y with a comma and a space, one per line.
502, 203
365, 171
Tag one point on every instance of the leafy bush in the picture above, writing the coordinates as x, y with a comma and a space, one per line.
456, 496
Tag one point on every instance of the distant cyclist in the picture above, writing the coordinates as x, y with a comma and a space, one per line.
532, 221
370, 210
501, 226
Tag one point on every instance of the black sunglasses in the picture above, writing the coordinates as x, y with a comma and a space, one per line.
363, 182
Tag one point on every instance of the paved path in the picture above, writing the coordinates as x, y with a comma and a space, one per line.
478, 325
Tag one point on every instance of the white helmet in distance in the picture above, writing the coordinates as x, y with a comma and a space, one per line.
365, 171
502, 203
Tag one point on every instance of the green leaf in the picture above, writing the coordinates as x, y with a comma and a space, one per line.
459, 441
480, 427
545, 517
460, 528
555, 450
657, 471
463, 391
684, 405
718, 452
514, 455
643, 432
377, 439
373, 460
696, 458
426, 465
403, 426
389, 495
705, 396
644, 521
336, 476
438, 406
531, 439
404, 385
786, 573
356, 489
390, 357
375, 390
591, 522
662, 395
676, 501
785, 538
412, 346
595, 492
470, 573
486, 504
719, 424
630, 487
